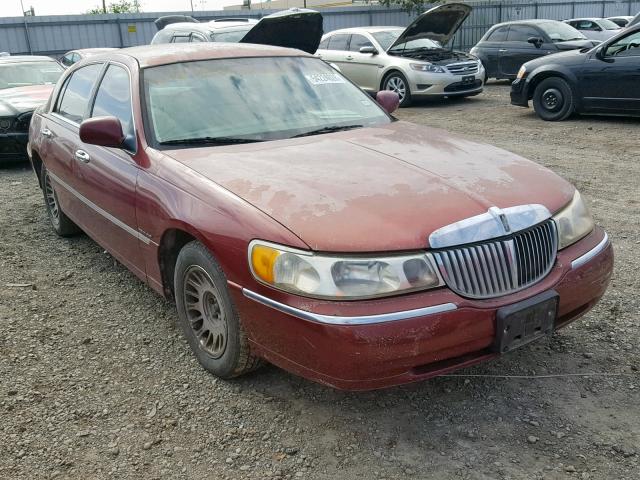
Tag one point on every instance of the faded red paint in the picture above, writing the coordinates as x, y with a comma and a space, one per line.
376, 190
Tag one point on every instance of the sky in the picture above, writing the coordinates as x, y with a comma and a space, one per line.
11, 8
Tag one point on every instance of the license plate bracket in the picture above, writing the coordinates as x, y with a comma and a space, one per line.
526, 321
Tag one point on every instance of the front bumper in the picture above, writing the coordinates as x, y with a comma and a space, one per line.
13, 146
380, 343
425, 84
519, 95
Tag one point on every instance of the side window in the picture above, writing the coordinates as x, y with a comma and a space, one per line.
628, 46
521, 33
180, 38
359, 41
498, 35
114, 98
75, 96
324, 44
196, 37
67, 60
339, 42
163, 36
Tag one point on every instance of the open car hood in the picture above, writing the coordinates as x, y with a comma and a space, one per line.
299, 28
439, 23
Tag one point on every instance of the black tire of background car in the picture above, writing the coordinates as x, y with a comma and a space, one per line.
553, 99
62, 224
236, 359
406, 101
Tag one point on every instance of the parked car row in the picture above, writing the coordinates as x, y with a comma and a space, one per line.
289, 215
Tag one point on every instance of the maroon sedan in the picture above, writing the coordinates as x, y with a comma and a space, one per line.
294, 220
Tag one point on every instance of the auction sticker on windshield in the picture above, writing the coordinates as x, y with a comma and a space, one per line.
324, 78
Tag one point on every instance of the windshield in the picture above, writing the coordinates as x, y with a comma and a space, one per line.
21, 74
561, 32
386, 38
608, 24
231, 37
225, 99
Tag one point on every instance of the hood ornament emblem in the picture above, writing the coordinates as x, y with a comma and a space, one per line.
499, 215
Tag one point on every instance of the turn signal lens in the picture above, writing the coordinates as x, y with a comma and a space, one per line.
522, 72
263, 260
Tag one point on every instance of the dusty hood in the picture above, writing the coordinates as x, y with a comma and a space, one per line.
14, 101
375, 189
440, 24
299, 28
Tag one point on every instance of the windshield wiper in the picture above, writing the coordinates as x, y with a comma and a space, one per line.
210, 141
319, 131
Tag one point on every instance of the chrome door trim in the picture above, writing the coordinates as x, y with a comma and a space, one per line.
357, 320
146, 240
581, 260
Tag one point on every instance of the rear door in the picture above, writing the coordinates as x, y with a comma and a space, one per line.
106, 177
488, 50
60, 132
517, 50
337, 51
613, 83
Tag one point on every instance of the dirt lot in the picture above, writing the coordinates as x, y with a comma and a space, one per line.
97, 382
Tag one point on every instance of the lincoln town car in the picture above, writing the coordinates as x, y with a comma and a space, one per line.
294, 220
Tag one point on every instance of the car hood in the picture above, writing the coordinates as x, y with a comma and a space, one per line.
375, 189
439, 23
18, 100
577, 44
299, 28
570, 57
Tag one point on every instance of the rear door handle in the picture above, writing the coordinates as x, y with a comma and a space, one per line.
46, 132
82, 156
502, 50
349, 57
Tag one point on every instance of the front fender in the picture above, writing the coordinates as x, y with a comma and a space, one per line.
546, 71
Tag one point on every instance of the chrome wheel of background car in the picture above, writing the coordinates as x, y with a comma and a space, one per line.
52, 201
203, 311
397, 84
552, 99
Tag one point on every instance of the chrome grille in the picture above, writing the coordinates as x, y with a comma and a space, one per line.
498, 267
467, 68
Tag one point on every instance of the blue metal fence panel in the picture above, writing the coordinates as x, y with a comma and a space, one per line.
53, 35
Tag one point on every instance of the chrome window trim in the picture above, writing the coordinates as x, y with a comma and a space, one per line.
340, 320
581, 260
145, 239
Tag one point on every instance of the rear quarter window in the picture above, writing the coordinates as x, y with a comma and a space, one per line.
498, 35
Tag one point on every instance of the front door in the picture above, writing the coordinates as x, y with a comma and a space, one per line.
363, 68
337, 52
612, 82
517, 50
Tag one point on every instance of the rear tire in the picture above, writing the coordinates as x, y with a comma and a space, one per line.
62, 224
397, 82
553, 99
207, 316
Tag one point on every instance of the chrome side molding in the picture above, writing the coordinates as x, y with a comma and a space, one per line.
494, 223
358, 320
581, 260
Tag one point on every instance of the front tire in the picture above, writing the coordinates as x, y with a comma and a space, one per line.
397, 82
207, 316
61, 224
553, 99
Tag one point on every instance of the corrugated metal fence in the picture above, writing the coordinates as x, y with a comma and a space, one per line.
53, 35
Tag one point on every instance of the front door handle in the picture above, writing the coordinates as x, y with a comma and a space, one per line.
46, 132
83, 156
349, 57
502, 50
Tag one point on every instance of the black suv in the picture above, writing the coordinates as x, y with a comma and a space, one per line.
506, 46
603, 79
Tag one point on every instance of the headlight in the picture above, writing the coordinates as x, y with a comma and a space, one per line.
341, 277
522, 72
427, 67
574, 222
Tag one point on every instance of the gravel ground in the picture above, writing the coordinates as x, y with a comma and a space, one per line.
97, 382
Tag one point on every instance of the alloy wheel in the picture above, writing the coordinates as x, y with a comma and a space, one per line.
52, 200
206, 318
396, 84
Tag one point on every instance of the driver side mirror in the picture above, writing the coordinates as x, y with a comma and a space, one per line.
102, 131
388, 100
537, 41
601, 54
369, 49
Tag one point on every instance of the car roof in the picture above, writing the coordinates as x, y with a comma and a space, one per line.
26, 58
212, 26
167, 53
591, 19
525, 22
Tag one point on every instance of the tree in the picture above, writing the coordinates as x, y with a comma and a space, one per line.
409, 5
120, 6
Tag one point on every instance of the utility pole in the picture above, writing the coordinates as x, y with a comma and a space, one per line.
26, 28
192, 5
104, 6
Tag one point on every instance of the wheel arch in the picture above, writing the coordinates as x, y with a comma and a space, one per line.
389, 71
173, 239
541, 74
36, 163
